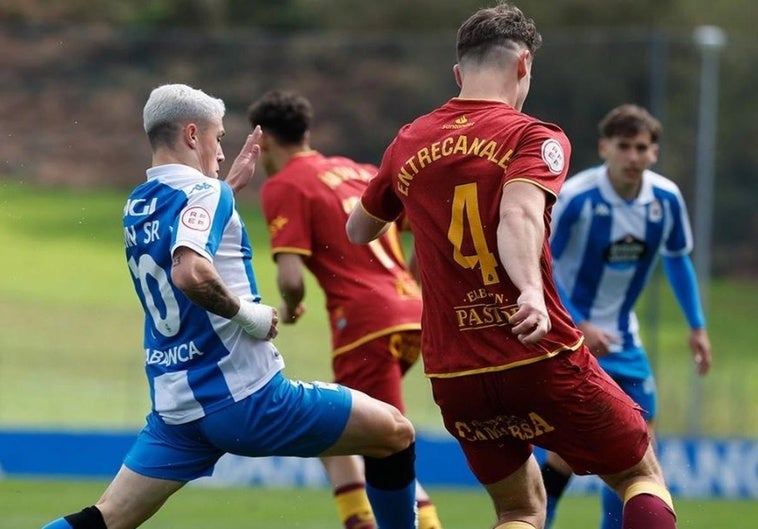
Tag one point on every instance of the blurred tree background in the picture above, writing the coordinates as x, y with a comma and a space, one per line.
76, 74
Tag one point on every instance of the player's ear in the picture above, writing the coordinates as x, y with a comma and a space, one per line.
524, 63
653, 153
189, 135
457, 75
602, 148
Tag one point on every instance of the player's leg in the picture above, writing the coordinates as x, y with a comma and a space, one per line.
556, 475
647, 501
346, 475
519, 499
610, 437
293, 418
377, 368
128, 501
386, 439
631, 370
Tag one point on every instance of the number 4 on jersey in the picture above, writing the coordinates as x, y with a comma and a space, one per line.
465, 208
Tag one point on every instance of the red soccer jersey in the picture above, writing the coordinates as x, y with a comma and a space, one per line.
368, 290
446, 171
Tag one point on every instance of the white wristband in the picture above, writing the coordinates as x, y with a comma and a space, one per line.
255, 319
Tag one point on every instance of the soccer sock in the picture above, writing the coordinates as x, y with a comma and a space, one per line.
427, 515
353, 507
648, 506
391, 489
515, 525
613, 509
555, 483
88, 518
60, 523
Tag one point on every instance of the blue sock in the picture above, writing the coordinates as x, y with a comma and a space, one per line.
555, 483
613, 509
552, 503
60, 523
393, 509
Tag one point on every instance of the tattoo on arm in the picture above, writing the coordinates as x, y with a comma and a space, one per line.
214, 297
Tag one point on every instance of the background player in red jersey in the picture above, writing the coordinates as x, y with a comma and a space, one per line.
374, 304
477, 179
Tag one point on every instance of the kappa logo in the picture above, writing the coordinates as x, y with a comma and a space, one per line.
602, 210
196, 218
552, 154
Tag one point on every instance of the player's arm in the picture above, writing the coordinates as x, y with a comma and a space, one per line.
363, 228
289, 268
681, 276
520, 236
198, 279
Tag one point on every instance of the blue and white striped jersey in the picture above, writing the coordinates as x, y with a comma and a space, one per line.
196, 362
605, 248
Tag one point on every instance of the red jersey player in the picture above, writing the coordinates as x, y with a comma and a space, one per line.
374, 304
476, 179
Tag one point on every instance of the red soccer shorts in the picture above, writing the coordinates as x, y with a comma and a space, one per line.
566, 404
377, 367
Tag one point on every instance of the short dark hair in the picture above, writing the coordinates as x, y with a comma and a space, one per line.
285, 115
501, 25
629, 120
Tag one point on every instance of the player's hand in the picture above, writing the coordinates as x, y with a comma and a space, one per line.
700, 346
598, 341
531, 321
243, 167
258, 320
288, 316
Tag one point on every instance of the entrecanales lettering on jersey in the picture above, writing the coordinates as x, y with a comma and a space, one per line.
463, 145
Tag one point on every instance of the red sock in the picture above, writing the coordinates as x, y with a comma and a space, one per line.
645, 511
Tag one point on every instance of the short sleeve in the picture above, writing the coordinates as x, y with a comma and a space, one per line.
288, 214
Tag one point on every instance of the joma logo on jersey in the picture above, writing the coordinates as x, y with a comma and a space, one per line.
140, 207
523, 428
178, 354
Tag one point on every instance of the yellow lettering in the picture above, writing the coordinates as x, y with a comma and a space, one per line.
423, 157
461, 314
503, 162
474, 318
513, 429
476, 145
489, 151
436, 151
447, 146
402, 188
540, 425
461, 146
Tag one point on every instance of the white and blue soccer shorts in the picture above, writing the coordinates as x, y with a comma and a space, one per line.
631, 370
284, 418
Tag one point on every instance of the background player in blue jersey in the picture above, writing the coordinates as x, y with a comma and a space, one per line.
215, 378
610, 225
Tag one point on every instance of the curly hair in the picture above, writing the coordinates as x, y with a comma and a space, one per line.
501, 25
283, 114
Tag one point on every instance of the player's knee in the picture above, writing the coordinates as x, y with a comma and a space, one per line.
87, 518
403, 434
